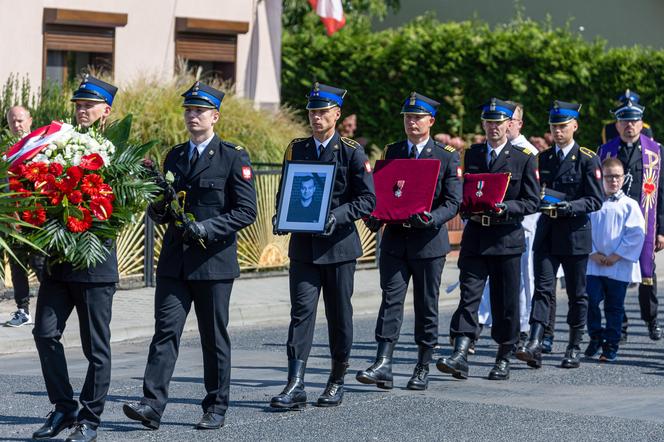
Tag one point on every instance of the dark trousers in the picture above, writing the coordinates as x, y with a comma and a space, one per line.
172, 302
504, 272
550, 327
20, 275
395, 273
546, 267
612, 292
648, 302
93, 304
306, 281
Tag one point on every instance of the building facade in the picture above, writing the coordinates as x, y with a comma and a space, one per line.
57, 40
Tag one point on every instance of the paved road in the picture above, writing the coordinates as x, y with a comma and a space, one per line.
617, 402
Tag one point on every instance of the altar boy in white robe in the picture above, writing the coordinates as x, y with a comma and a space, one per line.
618, 232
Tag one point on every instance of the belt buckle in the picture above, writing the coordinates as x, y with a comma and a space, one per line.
486, 220
553, 213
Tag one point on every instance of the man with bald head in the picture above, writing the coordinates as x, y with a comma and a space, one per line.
20, 122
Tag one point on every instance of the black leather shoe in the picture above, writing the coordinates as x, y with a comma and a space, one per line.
293, 397
457, 364
380, 373
82, 433
547, 344
420, 378
654, 331
143, 413
334, 390
56, 421
531, 353
500, 370
572, 358
211, 421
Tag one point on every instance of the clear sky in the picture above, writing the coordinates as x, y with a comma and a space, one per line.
620, 22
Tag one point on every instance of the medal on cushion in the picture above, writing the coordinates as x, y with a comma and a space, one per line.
398, 188
480, 186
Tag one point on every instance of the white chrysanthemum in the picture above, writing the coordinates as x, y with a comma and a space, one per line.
40, 158
60, 159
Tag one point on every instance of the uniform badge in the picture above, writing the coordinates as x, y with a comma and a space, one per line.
480, 186
598, 174
459, 171
537, 174
246, 172
398, 188
573, 157
367, 166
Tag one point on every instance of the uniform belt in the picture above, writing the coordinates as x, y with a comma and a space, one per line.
486, 220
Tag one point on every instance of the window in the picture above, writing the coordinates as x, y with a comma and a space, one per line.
78, 41
209, 46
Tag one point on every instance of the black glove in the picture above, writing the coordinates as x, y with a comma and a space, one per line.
330, 225
422, 220
564, 208
194, 232
373, 223
274, 227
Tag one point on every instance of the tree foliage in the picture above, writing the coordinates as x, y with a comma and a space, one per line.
298, 15
462, 64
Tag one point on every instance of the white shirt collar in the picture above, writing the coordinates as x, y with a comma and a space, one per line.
324, 143
201, 147
497, 149
565, 149
419, 146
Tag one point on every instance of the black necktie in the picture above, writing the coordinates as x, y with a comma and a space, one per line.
492, 159
194, 157
413, 152
561, 156
319, 150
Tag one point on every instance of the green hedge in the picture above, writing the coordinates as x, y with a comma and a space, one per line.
462, 64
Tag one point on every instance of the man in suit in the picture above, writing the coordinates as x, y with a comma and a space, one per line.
198, 259
416, 249
492, 245
643, 177
563, 235
90, 291
326, 261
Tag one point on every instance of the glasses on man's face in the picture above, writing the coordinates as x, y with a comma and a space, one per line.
613, 177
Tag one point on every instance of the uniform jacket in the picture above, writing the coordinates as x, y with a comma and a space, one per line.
104, 272
579, 176
353, 197
220, 194
634, 166
521, 198
433, 242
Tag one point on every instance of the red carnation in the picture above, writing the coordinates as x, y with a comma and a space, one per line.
91, 184
54, 197
17, 169
56, 169
107, 192
94, 161
67, 185
101, 208
77, 225
35, 217
35, 171
75, 197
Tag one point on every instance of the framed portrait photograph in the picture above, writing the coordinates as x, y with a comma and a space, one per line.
305, 196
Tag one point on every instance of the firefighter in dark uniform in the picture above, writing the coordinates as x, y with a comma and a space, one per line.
610, 131
326, 261
198, 259
491, 246
90, 291
416, 249
563, 235
629, 126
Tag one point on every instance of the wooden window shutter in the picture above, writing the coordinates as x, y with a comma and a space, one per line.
203, 47
78, 38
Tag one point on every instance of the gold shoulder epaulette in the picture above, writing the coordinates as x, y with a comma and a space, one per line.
522, 149
449, 148
351, 143
239, 148
587, 152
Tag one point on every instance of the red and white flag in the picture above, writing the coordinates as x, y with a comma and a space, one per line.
331, 13
36, 141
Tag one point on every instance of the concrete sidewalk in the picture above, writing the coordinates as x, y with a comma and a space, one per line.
255, 301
